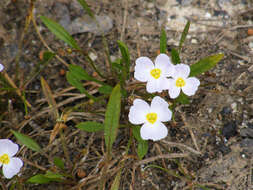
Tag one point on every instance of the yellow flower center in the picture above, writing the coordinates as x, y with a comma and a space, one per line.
180, 82
4, 159
151, 117
156, 73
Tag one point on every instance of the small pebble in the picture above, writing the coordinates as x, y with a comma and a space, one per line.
194, 41
208, 15
229, 129
93, 56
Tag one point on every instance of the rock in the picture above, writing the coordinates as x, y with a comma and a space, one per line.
246, 132
247, 144
87, 24
229, 129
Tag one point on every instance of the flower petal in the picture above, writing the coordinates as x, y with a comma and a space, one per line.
8, 147
174, 91
163, 62
11, 169
138, 112
161, 107
153, 132
152, 86
142, 69
181, 70
191, 86
1, 67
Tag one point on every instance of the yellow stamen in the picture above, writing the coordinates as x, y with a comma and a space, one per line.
151, 117
180, 82
156, 73
5, 159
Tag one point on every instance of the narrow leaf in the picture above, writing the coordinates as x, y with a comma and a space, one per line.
184, 34
205, 64
39, 179
90, 126
86, 8
125, 57
163, 41
77, 83
81, 74
59, 32
53, 176
27, 141
112, 116
142, 148
175, 56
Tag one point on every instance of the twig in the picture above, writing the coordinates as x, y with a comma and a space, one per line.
179, 145
167, 156
124, 20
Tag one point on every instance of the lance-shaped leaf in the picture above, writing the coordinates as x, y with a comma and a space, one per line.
112, 116
27, 141
184, 34
59, 32
86, 8
90, 126
205, 64
163, 41
142, 148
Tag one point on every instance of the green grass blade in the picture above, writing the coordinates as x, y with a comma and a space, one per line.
112, 116
86, 8
205, 64
59, 32
163, 41
184, 34
90, 126
27, 141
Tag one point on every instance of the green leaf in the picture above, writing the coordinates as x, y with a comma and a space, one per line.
27, 141
112, 116
184, 34
125, 57
53, 176
142, 148
116, 181
163, 41
81, 74
86, 8
58, 162
39, 179
105, 89
74, 81
182, 98
205, 64
90, 126
175, 56
59, 32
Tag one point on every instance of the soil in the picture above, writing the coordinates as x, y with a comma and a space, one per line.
218, 123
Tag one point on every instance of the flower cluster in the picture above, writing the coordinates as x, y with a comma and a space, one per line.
162, 75
11, 165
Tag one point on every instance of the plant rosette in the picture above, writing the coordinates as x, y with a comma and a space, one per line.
154, 74
151, 116
181, 81
11, 165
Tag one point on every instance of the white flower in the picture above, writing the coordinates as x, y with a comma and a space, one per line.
180, 80
11, 165
151, 117
1, 67
154, 74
